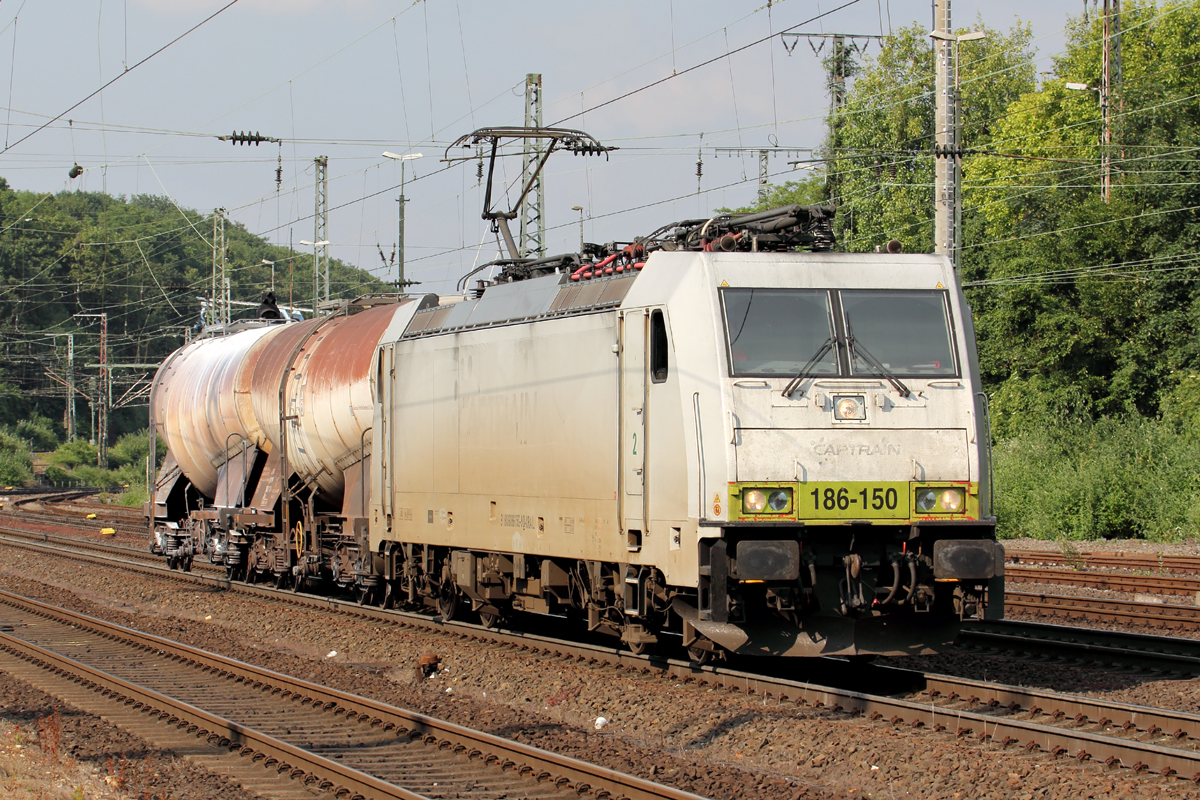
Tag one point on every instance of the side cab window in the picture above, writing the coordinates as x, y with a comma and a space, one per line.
659, 348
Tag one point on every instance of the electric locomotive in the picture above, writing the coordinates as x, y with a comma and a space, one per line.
723, 435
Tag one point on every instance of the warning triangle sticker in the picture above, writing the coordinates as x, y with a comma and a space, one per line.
725, 284
939, 285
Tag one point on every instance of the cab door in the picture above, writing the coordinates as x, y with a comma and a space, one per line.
382, 435
633, 424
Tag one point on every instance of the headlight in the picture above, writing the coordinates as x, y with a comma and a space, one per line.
754, 501
850, 407
779, 500
951, 500
941, 501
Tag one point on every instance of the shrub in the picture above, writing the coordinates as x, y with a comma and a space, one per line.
16, 461
74, 454
91, 475
1114, 477
56, 475
131, 450
39, 431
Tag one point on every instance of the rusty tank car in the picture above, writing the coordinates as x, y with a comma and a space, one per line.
723, 436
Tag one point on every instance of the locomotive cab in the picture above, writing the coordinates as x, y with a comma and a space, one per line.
837, 460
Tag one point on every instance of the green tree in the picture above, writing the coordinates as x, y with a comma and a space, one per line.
140, 260
882, 140
1096, 300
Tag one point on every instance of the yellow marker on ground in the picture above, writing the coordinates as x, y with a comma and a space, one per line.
107, 532
91, 516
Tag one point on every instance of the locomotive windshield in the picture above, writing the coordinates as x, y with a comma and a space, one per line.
777, 331
908, 332
772, 332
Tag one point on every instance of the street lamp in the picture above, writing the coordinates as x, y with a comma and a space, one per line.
580, 210
400, 284
316, 287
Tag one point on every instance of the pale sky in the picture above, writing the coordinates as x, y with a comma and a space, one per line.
349, 80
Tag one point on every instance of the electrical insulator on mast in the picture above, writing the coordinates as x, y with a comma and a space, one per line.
245, 137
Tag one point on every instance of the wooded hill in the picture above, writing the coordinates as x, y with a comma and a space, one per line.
144, 262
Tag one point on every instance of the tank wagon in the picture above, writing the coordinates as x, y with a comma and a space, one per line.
706, 436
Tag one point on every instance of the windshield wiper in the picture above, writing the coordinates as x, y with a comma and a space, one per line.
857, 350
804, 371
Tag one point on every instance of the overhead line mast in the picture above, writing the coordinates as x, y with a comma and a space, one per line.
533, 206
1110, 77
321, 229
947, 129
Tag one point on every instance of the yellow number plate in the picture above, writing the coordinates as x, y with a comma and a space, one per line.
853, 500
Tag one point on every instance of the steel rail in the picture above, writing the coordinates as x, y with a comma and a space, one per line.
96, 546
216, 730
1148, 562
1135, 719
526, 759
1049, 736
1158, 614
1143, 651
1145, 584
80, 523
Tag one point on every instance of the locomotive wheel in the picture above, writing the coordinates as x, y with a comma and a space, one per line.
389, 596
639, 648
447, 602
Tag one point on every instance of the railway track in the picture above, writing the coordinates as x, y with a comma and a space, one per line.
80, 523
1117, 734
1136, 562
1157, 615
127, 521
113, 549
1144, 584
347, 745
1121, 650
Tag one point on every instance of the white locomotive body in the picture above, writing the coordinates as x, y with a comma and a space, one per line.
775, 453
592, 445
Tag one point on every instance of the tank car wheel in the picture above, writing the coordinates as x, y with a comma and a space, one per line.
701, 655
186, 564
490, 619
447, 602
638, 648
364, 595
172, 562
281, 580
297, 583
389, 596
